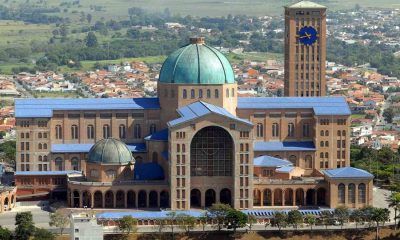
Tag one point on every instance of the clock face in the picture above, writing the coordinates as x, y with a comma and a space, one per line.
307, 35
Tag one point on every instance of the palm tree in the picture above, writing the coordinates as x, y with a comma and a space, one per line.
394, 202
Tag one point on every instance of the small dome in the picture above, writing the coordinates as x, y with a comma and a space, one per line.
197, 63
110, 151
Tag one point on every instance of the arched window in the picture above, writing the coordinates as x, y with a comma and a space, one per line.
106, 131
233, 92
362, 193
58, 132
75, 164
216, 93
44, 145
155, 157
44, 158
183, 148
352, 193
208, 93
341, 193
40, 158
192, 94
338, 133
260, 130
321, 155
153, 128
308, 161
326, 155
184, 94
39, 135
227, 92
322, 133
111, 173
326, 133
59, 164
275, 130
137, 131
200, 93
74, 132
178, 148
344, 133
326, 144
90, 132
293, 159
40, 146
290, 130
122, 131
26, 135
22, 135
306, 130
321, 144
94, 173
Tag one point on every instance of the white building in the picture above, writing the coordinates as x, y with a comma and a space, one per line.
85, 227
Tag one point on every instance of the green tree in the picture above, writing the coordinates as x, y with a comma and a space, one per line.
251, 220
394, 202
43, 234
186, 222
127, 224
280, 220
388, 114
342, 214
25, 228
380, 216
358, 216
5, 234
204, 220
171, 219
91, 40
326, 217
310, 220
235, 219
89, 18
218, 212
294, 218
9, 149
60, 220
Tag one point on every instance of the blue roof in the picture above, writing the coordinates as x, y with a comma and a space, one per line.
320, 105
44, 107
284, 146
347, 172
158, 136
148, 171
199, 109
165, 155
78, 148
285, 169
268, 161
42, 173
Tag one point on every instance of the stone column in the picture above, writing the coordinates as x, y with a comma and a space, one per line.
91, 200
80, 199
294, 198
114, 200
202, 198
304, 197
272, 197
356, 195
283, 197
125, 199
261, 198
346, 194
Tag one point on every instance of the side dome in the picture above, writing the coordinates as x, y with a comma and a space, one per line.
197, 63
110, 151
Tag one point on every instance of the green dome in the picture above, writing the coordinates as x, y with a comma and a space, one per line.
110, 151
197, 63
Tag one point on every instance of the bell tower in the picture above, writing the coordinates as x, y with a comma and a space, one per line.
305, 49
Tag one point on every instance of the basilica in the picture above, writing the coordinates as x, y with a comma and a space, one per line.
196, 144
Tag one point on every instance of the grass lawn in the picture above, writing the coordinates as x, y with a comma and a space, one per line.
357, 116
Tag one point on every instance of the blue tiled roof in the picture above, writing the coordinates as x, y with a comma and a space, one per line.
44, 107
148, 171
285, 169
200, 109
284, 146
158, 136
320, 105
78, 148
146, 214
271, 213
268, 161
347, 172
45, 173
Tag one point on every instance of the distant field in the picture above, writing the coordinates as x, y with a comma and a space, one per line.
16, 32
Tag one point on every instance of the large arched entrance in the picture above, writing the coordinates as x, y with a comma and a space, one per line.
109, 199
321, 196
86, 199
299, 197
225, 196
131, 199
6, 204
256, 198
267, 201
76, 199
195, 198
120, 198
310, 197
278, 197
142, 199
98, 199
288, 197
164, 199
153, 199
211, 153
210, 197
